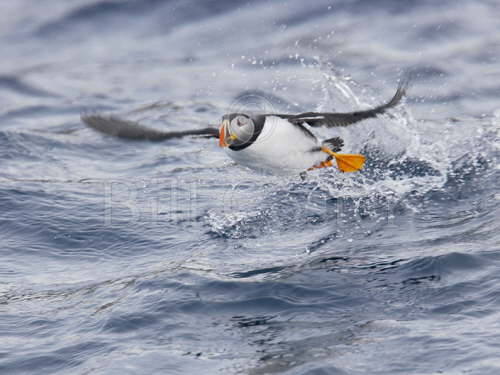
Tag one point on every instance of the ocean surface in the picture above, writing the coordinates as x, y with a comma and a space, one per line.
168, 258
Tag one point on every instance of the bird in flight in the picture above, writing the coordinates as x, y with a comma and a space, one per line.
276, 143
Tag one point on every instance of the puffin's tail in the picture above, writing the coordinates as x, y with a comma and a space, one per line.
335, 144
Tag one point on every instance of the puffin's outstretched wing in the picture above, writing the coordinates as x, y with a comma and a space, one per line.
132, 130
345, 119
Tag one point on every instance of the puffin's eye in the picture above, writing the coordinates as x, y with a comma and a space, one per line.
242, 128
241, 121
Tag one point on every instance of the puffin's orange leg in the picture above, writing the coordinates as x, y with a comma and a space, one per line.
323, 164
346, 162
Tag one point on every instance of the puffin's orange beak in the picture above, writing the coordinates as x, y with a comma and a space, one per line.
225, 136
222, 135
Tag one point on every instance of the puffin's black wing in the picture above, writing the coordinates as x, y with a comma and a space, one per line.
345, 119
132, 130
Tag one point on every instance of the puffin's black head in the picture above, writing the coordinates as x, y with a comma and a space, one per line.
236, 129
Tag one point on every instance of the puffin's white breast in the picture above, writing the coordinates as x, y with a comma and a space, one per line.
280, 147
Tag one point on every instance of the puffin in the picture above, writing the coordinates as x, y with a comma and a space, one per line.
273, 143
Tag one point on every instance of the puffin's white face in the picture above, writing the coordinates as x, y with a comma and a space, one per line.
238, 131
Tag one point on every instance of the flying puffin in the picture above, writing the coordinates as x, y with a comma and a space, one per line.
276, 143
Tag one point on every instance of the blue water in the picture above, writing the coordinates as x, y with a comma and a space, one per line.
167, 258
